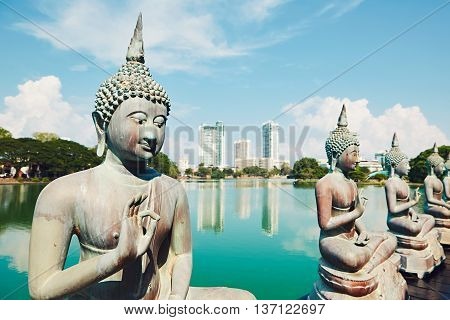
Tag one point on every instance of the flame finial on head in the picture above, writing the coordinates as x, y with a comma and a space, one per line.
395, 141
136, 48
342, 121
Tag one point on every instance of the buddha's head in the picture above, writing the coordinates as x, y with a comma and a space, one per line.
435, 163
396, 161
342, 146
131, 109
447, 164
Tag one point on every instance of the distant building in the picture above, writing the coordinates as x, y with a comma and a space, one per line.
183, 164
245, 163
380, 156
212, 145
270, 140
323, 163
373, 166
241, 149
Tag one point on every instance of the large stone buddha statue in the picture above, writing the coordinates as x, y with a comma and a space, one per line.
417, 239
435, 204
131, 221
356, 263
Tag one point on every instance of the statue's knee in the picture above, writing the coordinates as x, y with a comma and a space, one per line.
354, 261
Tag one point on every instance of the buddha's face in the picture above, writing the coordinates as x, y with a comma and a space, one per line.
349, 159
403, 168
136, 130
439, 169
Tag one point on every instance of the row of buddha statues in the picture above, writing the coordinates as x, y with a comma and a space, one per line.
357, 263
133, 223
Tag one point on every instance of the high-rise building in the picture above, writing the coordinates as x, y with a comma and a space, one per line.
212, 145
270, 141
241, 150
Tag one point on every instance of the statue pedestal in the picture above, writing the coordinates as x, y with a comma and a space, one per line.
443, 227
382, 283
419, 255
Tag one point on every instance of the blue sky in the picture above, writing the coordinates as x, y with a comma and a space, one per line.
242, 62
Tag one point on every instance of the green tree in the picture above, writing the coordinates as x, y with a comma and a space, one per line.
5, 134
285, 169
188, 172
216, 173
237, 174
274, 172
418, 170
359, 174
228, 171
308, 168
45, 136
255, 171
163, 164
202, 171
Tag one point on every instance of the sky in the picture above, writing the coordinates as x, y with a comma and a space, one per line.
241, 62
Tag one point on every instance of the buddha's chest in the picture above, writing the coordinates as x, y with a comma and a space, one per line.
99, 221
402, 190
344, 195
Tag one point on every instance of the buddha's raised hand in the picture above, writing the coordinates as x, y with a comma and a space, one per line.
360, 203
134, 241
417, 195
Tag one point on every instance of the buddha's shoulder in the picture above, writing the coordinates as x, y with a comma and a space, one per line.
170, 184
67, 186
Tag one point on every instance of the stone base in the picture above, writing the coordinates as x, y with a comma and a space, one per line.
383, 283
419, 255
443, 227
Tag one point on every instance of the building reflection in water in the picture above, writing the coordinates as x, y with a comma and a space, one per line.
243, 203
270, 209
211, 206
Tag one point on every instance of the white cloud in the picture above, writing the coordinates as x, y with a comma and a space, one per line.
338, 8
413, 129
259, 10
39, 106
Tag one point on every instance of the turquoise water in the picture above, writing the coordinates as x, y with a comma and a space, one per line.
259, 235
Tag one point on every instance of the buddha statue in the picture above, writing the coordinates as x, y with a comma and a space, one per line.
131, 221
418, 244
434, 190
356, 263
446, 180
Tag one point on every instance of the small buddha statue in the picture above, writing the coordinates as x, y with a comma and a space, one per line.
417, 239
356, 263
131, 221
435, 204
446, 180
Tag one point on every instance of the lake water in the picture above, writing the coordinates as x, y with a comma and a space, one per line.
259, 235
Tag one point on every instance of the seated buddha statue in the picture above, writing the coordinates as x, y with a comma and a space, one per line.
417, 239
131, 221
435, 204
356, 263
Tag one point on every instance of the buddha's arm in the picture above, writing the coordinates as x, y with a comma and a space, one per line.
48, 251
430, 196
391, 199
324, 207
181, 246
447, 188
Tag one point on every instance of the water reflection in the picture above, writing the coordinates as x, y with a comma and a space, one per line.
270, 209
211, 206
244, 201
16, 214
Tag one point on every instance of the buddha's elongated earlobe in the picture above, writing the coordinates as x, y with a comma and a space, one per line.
101, 133
101, 145
333, 161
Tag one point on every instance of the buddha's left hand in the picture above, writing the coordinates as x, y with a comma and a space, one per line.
363, 239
